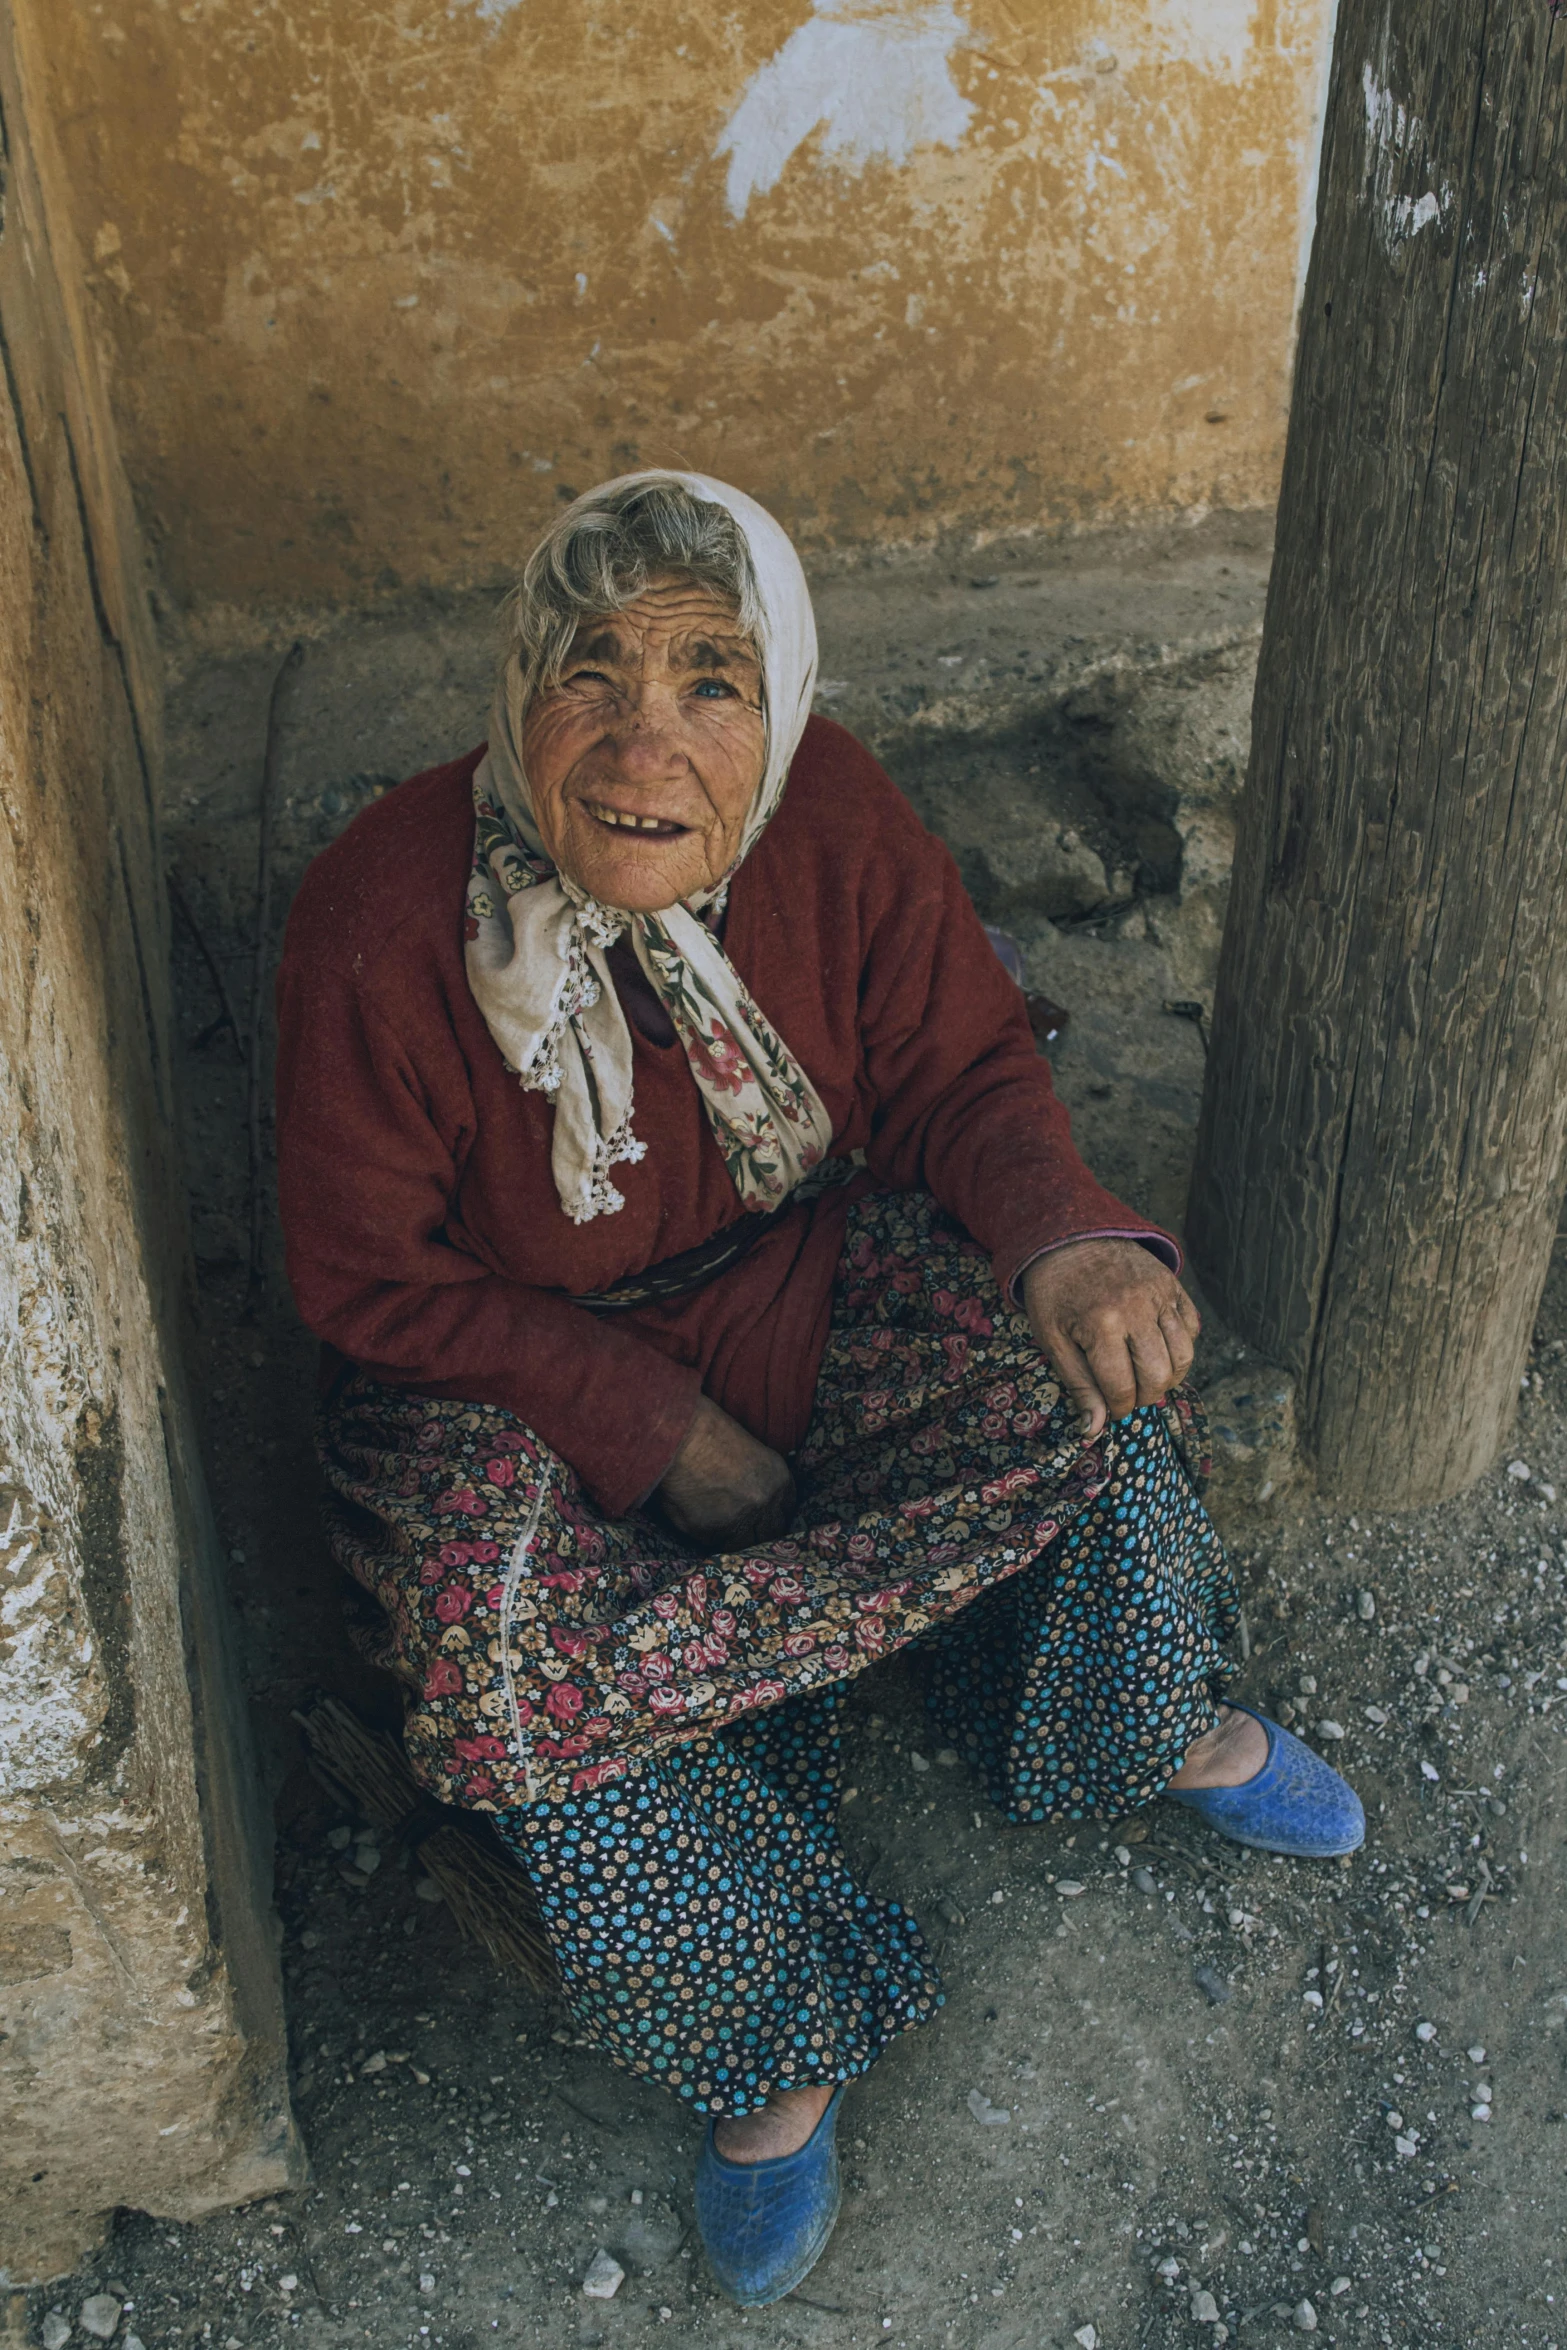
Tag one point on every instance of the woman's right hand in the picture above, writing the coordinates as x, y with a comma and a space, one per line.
723, 1490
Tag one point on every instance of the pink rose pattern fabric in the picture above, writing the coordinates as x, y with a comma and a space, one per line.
548, 1651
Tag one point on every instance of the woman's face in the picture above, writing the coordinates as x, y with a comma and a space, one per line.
643, 762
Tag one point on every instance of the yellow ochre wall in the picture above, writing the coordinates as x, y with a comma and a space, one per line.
382, 280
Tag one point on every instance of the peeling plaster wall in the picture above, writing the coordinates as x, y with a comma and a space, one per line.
380, 285
140, 2026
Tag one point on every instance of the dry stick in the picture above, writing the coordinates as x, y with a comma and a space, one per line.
225, 1018
488, 1893
258, 984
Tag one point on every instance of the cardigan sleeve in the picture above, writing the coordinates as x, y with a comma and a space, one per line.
964, 1102
365, 1184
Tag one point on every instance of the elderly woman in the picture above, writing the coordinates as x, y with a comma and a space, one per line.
719, 1306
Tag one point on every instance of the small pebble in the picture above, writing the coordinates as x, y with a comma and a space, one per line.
604, 2278
949, 1758
918, 1762
1330, 1730
1087, 2338
1340, 2285
55, 2331
288, 2284
1212, 1985
1169, 2268
426, 2281
340, 1838
1366, 1605
1122, 1858
1520, 1472
1205, 2310
1429, 1771
1479, 2113
99, 2315
1305, 2318
1069, 1888
374, 2064
1312, 1998
428, 1890
1475, 2055
1376, 1716
981, 2108
1425, 2031
1145, 1881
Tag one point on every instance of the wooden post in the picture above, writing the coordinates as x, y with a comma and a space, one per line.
1383, 1142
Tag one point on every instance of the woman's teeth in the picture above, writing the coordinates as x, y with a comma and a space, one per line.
632, 823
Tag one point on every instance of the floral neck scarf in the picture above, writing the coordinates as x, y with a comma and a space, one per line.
536, 945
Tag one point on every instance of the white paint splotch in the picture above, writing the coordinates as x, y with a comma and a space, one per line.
1217, 34
490, 12
875, 81
1396, 151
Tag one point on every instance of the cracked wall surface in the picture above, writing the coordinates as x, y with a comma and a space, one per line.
140, 2024
381, 285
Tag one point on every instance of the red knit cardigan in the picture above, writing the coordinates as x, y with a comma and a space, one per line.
424, 1238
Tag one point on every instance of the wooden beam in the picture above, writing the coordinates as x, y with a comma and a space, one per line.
1383, 1141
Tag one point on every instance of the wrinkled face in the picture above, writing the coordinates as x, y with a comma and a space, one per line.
643, 762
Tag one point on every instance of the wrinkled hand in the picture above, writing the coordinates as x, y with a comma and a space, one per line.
723, 1490
1117, 1325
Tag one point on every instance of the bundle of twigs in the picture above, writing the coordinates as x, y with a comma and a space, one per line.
487, 1893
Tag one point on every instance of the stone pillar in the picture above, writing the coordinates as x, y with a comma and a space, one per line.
142, 2054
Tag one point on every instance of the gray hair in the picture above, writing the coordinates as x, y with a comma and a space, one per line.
599, 558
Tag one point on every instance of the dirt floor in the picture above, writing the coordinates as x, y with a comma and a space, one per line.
1179, 2094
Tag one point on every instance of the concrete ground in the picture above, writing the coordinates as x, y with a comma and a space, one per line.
1179, 2094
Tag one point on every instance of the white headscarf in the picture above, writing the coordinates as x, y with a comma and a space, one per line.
537, 944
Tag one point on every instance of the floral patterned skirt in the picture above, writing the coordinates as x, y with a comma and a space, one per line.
657, 1735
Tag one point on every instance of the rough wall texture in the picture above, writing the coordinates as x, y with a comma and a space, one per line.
381, 284
140, 2057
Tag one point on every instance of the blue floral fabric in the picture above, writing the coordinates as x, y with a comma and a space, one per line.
709, 1933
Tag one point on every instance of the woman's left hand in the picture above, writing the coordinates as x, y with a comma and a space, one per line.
1114, 1321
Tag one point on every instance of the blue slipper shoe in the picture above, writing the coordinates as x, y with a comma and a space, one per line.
1297, 1803
765, 2225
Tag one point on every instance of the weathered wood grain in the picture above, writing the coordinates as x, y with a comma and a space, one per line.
1383, 1142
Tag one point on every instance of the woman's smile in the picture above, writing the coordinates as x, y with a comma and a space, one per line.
623, 820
